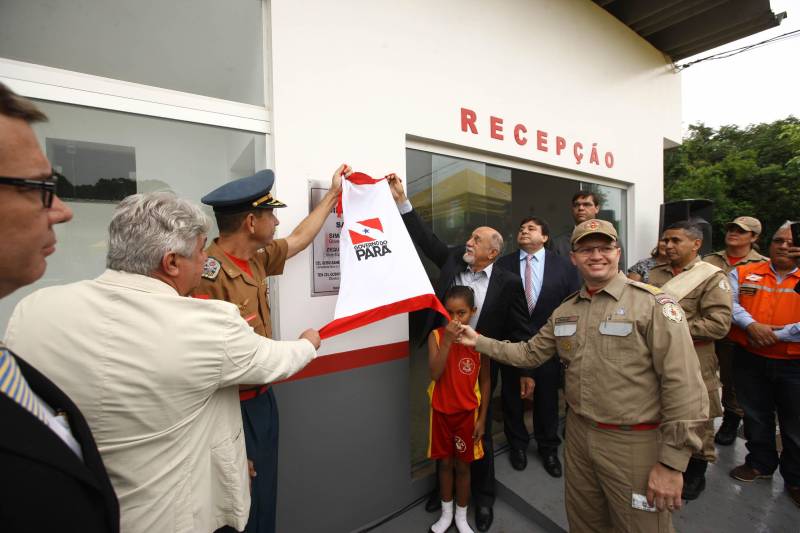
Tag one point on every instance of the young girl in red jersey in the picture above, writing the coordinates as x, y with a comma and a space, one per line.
461, 379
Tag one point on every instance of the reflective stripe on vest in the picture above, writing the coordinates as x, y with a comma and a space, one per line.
768, 303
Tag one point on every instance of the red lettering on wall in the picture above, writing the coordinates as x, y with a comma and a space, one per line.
561, 143
541, 140
519, 131
468, 117
469, 120
496, 128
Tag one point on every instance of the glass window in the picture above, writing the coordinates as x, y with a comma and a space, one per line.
455, 196
96, 149
92, 171
206, 47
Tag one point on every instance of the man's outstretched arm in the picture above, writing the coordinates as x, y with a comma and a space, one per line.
305, 232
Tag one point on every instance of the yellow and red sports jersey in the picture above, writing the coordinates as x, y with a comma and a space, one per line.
457, 389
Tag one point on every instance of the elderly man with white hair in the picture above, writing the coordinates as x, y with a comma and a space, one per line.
157, 373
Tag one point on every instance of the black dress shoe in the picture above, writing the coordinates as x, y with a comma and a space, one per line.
434, 502
727, 431
518, 458
692, 487
552, 465
483, 517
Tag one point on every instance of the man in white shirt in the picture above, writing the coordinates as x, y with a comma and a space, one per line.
156, 373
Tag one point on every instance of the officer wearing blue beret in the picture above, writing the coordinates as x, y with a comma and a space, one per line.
239, 264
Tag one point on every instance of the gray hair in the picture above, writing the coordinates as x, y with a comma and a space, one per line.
786, 225
497, 241
145, 227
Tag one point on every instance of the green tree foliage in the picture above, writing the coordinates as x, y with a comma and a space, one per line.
753, 171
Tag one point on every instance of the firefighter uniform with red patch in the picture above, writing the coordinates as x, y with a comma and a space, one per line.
246, 284
635, 394
707, 303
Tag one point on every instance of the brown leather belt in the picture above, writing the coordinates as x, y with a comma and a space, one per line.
249, 394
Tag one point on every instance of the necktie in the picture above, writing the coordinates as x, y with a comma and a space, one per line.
14, 385
529, 283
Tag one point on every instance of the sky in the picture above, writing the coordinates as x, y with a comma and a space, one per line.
760, 85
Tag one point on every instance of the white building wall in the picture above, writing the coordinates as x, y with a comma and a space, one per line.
352, 79
356, 80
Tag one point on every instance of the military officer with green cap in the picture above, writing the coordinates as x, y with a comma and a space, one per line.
239, 263
637, 403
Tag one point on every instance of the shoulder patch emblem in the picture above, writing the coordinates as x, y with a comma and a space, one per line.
664, 298
672, 312
211, 268
724, 285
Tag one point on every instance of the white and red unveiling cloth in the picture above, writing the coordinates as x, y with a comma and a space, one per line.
381, 274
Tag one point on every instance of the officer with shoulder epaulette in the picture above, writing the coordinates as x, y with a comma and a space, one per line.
239, 264
637, 402
703, 291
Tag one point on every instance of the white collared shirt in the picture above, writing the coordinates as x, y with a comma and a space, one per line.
58, 424
479, 282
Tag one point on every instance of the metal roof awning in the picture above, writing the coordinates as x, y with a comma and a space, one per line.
683, 28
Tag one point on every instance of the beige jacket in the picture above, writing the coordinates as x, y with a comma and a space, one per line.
156, 375
708, 308
629, 360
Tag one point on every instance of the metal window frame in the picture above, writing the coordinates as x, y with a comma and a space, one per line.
70, 87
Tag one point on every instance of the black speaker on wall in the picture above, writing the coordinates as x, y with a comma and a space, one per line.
698, 211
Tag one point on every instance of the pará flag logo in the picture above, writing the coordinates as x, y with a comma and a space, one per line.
381, 274
368, 239
368, 230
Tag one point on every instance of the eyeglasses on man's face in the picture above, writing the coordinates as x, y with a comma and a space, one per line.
587, 251
777, 241
47, 186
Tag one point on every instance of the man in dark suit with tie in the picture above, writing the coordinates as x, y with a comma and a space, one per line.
547, 279
500, 301
53, 477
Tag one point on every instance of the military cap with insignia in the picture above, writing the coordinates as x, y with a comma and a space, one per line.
244, 194
594, 226
746, 223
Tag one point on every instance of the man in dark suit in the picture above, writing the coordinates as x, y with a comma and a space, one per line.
547, 279
586, 205
500, 301
53, 477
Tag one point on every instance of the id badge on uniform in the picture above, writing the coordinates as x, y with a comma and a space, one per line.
639, 501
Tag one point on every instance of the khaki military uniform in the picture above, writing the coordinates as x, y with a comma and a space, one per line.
708, 309
724, 347
223, 280
635, 393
